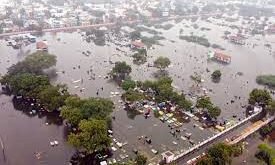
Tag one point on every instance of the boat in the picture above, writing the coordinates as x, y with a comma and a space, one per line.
56, 142
52, 143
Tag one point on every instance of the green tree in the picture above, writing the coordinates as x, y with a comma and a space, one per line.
214, 112
135, 35
53, 97
265, 130
128, 84
141, 159
26, 83
204, 102
34, 63
162, 62
76, 109
92, 136
204, 161
98, 108
73, 115
271, 107
266, 153
132, 96
259, 96
140, 57
216, 75
220, 154
121, 70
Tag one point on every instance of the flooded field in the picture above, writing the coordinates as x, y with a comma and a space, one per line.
186, 59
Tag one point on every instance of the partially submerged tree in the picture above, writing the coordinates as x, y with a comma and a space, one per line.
121, 70
216, 75
218, 154
141, 159
135, 35
132, 96
162, 62
271, 107
266, 153
53, 97
140, 57
259, 96
128, 84
76, 109
204, 102
214, 112
92, 136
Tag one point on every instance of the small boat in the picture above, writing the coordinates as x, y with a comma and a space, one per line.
56, 142
52, 143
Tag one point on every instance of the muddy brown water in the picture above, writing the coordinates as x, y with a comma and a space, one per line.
23, 135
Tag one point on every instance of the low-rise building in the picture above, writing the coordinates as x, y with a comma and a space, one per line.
42, 46
236, 40
168, 156
220, 57
137, 45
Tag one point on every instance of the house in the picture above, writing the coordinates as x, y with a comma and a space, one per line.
42, 46
271, 29
220, 57
137, 45
168, 156
236, 40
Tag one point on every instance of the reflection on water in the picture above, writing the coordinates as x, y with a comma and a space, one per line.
24, 136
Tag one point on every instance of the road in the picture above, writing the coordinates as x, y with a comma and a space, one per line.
103, 24
242, 131
183, 160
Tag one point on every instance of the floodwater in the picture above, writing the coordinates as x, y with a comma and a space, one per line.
24, 135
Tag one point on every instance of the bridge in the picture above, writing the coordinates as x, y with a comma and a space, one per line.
72, 28
202, 145
251, 129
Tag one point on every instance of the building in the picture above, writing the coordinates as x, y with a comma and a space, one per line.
137, 45
42, 46
220, 57
271, 29
168, 156
236, 40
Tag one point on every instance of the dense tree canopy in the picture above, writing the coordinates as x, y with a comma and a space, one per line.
53, 97
26, 83
259, 96
128, 84
34, 63
92, 136
121, 70
214, 112
140, 57
141, 159
266, 153
218, 154
204, 102
135, 35
26, 78
162, 62
271, 107
76, 109
216, 75
132, 96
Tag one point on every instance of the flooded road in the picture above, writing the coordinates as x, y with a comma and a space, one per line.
23, 136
